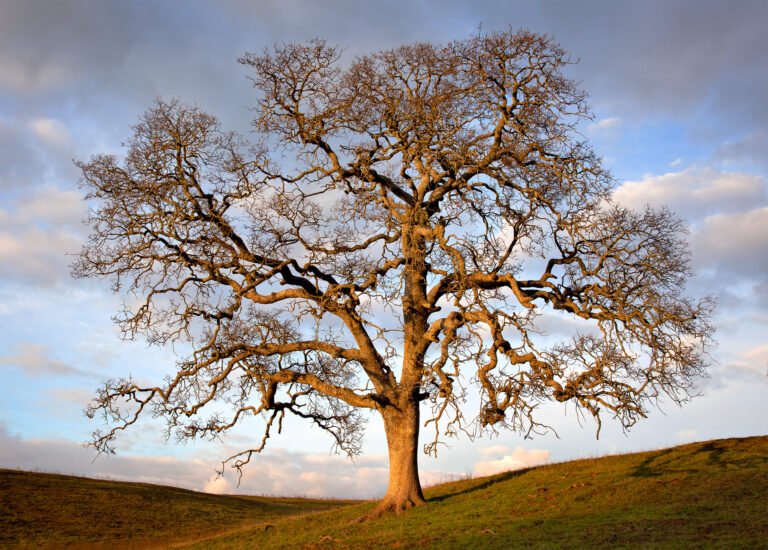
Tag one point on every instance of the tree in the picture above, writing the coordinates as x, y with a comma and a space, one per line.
437, 202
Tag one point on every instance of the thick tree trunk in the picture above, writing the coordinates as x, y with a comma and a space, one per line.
404, 490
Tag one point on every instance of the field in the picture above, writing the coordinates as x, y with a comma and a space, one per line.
56, 511
710, 494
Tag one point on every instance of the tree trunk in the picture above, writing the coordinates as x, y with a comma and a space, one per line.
404, 490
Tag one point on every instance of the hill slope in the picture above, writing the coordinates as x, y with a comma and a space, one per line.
52, 510
710, 493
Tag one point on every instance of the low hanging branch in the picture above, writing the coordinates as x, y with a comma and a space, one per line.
439, 200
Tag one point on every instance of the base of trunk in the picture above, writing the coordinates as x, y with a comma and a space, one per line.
391, 506
401, 425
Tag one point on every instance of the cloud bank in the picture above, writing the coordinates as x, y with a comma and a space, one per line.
278, 472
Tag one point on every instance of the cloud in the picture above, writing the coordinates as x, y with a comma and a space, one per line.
688, 435
19, 159
493, 451
604, 125
695, 192
35, 153
36, 235
728, 217
753, 148
291, 473
674, 59
35, 360
753, 362
218, 485
508, 459
734, 244
51, 42
51, 207
23, 77
71, 396
105, 61
51, 131
36, 256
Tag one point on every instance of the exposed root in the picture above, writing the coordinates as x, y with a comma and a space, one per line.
389, 506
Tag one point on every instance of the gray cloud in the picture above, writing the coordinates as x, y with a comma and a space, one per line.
19, 161
35, 152
672, 58
104, 61
752, 150
639, 59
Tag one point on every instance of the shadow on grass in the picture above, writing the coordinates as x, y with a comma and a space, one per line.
720, 454
655, 465
480, 486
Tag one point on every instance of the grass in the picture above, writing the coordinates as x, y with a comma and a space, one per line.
55, 511
710, 494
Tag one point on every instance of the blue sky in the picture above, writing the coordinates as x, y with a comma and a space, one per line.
678, 89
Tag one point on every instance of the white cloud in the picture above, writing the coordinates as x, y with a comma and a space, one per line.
51, 131
493, 451
604, 125
51, 206
218, 485
33, 255
735, 243
753, 361
37, 234
687, 435
35, 360
511, 460
695, 192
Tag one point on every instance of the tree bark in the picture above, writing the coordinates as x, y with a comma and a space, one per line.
404, 489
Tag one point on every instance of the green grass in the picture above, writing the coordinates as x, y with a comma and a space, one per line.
709, 494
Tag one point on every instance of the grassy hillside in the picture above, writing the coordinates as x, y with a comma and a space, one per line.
710, 494
55, 511
704, 494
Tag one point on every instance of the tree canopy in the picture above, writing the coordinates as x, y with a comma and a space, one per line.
395, 233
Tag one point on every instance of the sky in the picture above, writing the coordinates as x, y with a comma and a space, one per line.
678, 91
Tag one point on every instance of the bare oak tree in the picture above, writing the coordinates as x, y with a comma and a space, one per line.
428, 207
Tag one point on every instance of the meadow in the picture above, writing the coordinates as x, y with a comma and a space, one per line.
706, 494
